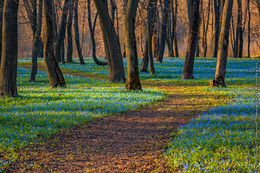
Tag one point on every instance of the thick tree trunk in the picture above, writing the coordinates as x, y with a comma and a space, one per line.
76, 29
191, 47
1, 22
92, 35
62, 29
36, 42
162, 38
223, 45
133, 80
258, 7
69, 34
54, 73
8, 70
114, 56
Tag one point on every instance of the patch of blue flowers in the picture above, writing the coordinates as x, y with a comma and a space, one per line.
220, 140
40, 111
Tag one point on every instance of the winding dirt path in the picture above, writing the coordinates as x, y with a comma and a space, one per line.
127, 142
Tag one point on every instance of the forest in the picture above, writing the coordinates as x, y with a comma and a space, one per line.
129, 85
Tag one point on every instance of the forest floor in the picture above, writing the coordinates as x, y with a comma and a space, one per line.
132, 141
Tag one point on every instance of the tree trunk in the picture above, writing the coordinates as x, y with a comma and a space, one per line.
249, 29
145, 60
133, 81
163, 30
206, 28
62, 29
191, 47
8, 70
69, 34
217, 4
1, 23
258, 7
36, 42
114, 56
62, 61
54, 73
238, 30
92, 35
148, 55
76, 29
174, 34
223, 45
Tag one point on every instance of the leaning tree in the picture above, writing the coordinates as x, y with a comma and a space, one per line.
111, 42
223, 46
54, 72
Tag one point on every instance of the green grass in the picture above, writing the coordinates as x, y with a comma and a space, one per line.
220, 140
40, 111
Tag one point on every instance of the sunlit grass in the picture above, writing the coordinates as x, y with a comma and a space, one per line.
40, 111
220, 140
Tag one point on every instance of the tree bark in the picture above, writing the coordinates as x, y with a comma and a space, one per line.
239, 32
163, 31
191, 47
174, 24
223, 44
54, 73
69, 34
76, 29
113, 51
36, 42
148, 53
249, 29
133, 80
8, 70
62, 29
217, 4
1, 23
92, 36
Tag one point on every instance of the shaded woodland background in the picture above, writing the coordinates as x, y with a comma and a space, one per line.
206, 32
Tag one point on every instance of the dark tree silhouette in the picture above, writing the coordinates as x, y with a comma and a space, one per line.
8, 70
